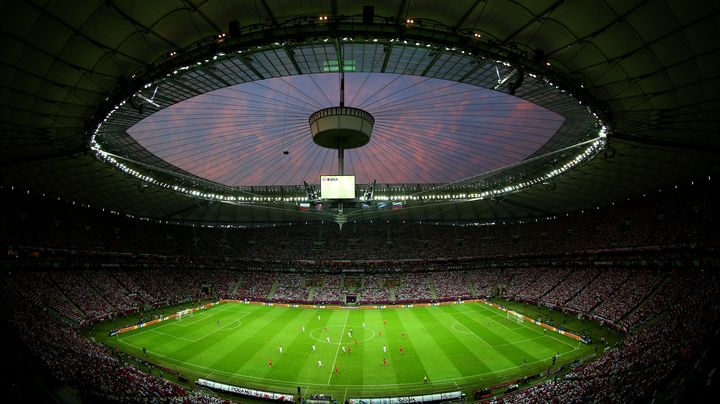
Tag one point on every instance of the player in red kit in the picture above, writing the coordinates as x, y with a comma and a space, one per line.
401, 349
270, 362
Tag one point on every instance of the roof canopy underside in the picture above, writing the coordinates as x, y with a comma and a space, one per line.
650, 64
275, 110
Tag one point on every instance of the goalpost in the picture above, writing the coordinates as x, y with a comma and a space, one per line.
511, 315
184, 313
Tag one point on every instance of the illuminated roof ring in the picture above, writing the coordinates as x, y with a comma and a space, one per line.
110, 140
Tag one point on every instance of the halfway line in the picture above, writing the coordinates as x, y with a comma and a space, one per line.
347, 314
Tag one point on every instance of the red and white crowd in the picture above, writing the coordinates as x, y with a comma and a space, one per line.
69, 266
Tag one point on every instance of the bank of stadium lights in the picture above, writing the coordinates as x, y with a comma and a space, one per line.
490, 193
580, 158
587, 153
603, 132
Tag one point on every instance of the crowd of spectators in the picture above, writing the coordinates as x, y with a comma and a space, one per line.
637, 368
451, 285
223, 282
486, 282
667, 295
351, 284
290, 288
330, 292
111, 290
569, 287
414, 287
635, 288
632, 296
134, 289
170, 286
596, 292
683, 216
45, 301
82, 295
74, 359
624, 296
91, 295
40, 284
522, 279
374, 290
549, 278
256, 285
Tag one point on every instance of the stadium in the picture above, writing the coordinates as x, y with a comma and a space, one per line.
360, 201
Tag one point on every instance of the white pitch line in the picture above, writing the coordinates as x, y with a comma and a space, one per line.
347, 314
518, 342
308, 384
529, 326
221, 328
196, 318
501, 324
155, 330
471, 331
170, 335
379, 387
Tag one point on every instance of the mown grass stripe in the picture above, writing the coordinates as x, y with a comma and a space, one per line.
468, 355
451, 344
438, 361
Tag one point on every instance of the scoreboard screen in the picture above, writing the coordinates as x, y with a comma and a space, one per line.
337, 186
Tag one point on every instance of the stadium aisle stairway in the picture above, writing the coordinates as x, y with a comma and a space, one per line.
470, 285
272, 290
433, 291
647, 298
237, 286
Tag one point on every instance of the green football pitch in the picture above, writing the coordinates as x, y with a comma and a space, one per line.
458, 347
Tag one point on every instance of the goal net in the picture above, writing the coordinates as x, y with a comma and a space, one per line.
511, 315
184, 313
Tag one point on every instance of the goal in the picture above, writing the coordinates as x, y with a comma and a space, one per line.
511, 315
184, 313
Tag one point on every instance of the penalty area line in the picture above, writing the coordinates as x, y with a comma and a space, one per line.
222, 328
528, 325
471, 331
